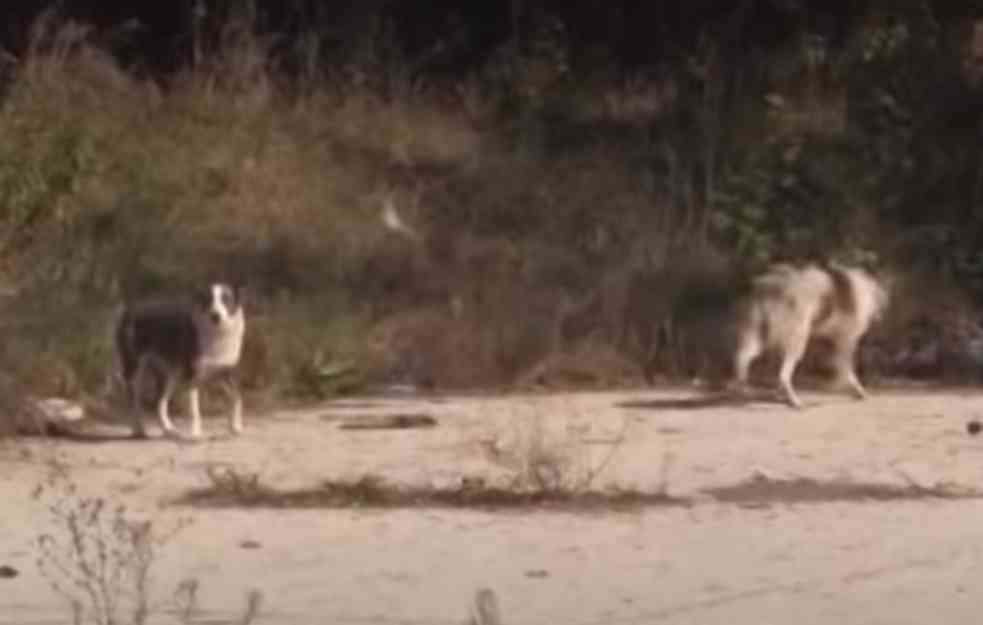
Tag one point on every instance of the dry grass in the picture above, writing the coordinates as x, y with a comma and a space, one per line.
542, 493
121, 186
537, 465
97, 556
546, 213
101, 559
373, 492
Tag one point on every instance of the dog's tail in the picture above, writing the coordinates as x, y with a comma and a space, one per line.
844, 292
858, 291
125, 340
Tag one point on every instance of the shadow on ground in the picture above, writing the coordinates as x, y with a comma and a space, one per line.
761, 491
707, 400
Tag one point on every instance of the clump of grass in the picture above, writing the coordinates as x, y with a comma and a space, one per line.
541, 459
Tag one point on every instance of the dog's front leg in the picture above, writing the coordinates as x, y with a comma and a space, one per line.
748, 350
133, 378
194, 411
231, 386
235, 420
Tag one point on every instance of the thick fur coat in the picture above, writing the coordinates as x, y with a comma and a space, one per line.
788, 305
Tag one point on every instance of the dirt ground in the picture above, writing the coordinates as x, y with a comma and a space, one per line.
725, 556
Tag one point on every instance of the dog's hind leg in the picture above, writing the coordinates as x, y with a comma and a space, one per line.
749, 348
163, 402
794, 349
132, 375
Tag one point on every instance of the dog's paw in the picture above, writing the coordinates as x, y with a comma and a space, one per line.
737, 392
178, 437
171, 433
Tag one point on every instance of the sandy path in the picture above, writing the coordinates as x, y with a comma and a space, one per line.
843, 562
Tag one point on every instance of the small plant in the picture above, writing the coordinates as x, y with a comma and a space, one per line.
232, 483
321, 378
484, 608
98, 557
185, 599
184, 604
545, 461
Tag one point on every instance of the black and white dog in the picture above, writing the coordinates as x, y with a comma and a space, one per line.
183, 342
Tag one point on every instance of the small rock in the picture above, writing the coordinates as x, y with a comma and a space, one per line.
250, 544
8, 572
58, 410
49, 416
974, 427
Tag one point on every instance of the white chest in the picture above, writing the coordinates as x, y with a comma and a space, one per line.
220, 344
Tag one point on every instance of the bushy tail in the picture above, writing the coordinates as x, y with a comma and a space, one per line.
124, 340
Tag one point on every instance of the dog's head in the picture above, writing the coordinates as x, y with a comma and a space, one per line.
220, 303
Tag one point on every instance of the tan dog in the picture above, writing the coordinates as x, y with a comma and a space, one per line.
789, 305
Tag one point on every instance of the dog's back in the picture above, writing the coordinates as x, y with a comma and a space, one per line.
782, 300
162, 331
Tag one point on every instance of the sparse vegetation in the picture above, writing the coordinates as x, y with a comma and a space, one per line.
541, 468
97, 556
100, 558
540, 459
374, 492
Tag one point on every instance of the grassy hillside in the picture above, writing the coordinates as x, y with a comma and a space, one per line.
551, 217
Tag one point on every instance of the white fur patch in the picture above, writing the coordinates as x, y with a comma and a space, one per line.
220, 331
